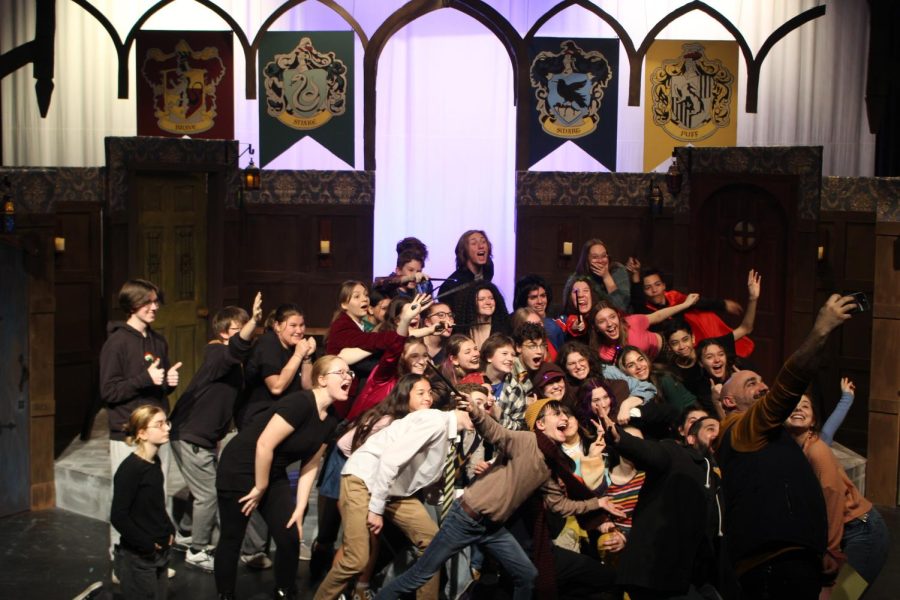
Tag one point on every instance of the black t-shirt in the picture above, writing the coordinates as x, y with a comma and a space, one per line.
139, 505
236, 466
268, 358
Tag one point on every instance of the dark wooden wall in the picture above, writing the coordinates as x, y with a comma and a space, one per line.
848, 265
279, 255
626, 230
80, 315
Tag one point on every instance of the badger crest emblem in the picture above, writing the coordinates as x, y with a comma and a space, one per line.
305, 88
691, 95
569, 87
184, 87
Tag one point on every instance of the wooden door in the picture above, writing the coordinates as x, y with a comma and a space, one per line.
743, 227
14, 457
171, 252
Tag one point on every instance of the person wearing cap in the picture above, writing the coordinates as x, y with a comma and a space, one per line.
533, 461
775, 518
549, 381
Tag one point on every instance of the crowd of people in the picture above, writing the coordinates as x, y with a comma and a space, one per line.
619, 443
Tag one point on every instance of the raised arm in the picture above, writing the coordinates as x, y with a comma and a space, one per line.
753, 286
662, 314
848, 392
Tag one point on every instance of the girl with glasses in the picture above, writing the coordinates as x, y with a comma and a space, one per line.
253, 473
139, 508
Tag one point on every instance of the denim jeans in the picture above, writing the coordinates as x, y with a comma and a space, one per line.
866, 543
458, 531
143, 577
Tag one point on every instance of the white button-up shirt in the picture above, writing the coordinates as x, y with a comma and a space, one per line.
404, 457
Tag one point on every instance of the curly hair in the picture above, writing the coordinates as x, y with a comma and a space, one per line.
468, 314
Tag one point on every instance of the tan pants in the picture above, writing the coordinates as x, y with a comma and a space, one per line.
407, 513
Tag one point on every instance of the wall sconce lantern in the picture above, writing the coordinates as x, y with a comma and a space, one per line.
251, 174
674, 177
655, 199
9, 208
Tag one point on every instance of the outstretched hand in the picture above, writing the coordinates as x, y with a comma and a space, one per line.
257, 314
753, 284
833, 313
847, 386
419, 303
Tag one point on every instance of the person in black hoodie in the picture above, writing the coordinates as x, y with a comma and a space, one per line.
139, 508
473, 263
670, 552
134, 370
201, 417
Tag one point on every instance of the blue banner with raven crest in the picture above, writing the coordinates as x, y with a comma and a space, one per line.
575, 86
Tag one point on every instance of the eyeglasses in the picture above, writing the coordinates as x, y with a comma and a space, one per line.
441, 315
160, 425
533, 346
342, 374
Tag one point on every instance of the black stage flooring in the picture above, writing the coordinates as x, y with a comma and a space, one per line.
55, 554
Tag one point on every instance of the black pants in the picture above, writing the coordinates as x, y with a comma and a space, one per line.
795, 575
143, 577
276, 507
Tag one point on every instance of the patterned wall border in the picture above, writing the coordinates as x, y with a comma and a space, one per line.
803, 161
863, 194
37, 190
558, 188
122, 151
314, 187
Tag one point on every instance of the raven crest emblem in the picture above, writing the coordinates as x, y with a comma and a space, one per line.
305, 88
569, 87
691, 95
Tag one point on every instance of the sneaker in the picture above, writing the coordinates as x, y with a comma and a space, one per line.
170, 572
114, 578
362, 594
305, 550
202, 559
91, 591
182, 542
258, 561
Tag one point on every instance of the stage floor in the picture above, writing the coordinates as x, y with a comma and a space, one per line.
55, 554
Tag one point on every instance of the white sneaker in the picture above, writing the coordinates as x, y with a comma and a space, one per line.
305, 550
170, 572
114, 578
259, 561
182, 542
202, 560
364, 594
91, 591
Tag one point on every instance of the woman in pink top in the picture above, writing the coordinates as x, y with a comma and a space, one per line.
613, 330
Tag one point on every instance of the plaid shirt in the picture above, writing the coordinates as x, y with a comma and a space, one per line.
511, 398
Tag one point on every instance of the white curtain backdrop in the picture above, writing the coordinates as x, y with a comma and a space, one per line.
445, 118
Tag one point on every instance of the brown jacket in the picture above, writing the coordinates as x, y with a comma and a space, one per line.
500, 491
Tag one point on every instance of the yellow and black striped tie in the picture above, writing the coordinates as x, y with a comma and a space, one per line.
448, 493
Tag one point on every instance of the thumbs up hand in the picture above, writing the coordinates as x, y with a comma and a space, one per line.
156, 372
172, 375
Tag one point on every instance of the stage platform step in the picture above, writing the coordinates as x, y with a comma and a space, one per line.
83, 480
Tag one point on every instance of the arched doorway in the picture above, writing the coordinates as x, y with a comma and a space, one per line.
742, 226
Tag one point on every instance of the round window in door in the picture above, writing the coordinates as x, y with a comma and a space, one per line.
744, 236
